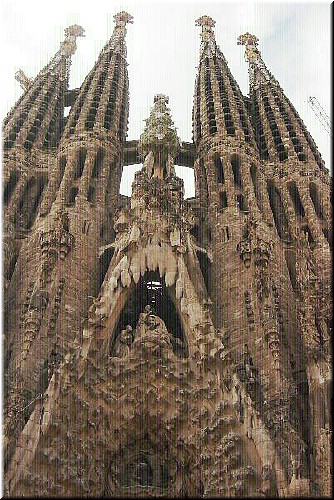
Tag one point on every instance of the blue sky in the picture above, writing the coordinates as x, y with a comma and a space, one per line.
163, 50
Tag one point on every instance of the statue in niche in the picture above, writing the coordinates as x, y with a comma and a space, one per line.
123, 342
151, 331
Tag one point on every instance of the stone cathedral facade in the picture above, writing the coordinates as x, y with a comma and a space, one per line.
157, 346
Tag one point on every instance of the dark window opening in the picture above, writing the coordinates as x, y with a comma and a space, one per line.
104, 263
308, 233
203, 181
98, 164
91, 194
235, 163
10, 186
210, 235
219, 168
29, 203
297, 202
123, 118
256, 187
290, 258
81, 159
72, 195
327, 236
205, 265
151, 290
223, 200
281, 220
144, 469
316, 200
320, 334
195, 231
9, 272
241, 203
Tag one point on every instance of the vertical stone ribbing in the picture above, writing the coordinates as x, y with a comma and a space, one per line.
63, 248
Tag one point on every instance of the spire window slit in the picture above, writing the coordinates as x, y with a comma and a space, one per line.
239, 104
198, 110
123, 117
229, 124
30, 139
297, 202
292, 133
29, 203
219, 168
308, 137
11, 138
90, 120
209, 100
277, 207
111, 106
235, 164
10, 186
282, 154
259, 132
316, 200
80, 164
79, 104
255, 181
98, 163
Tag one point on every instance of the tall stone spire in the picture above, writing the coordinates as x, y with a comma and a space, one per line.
219, 106
159, 143
281, 134
36, 115
102, 102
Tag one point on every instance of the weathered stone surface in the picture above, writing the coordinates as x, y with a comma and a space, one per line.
155, 346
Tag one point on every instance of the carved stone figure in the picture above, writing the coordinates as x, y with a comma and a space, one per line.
124, 342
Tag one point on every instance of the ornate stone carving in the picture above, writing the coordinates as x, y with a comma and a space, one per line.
55, 243
32, 319
23, 80
159, 140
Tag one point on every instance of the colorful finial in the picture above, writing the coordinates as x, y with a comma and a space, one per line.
161, 98
248, 39
205, 22
207, 35
74, 31
252, 53
122, 18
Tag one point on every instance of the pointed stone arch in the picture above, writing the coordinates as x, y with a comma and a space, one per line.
152, 291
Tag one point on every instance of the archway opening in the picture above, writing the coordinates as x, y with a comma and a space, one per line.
151, 290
